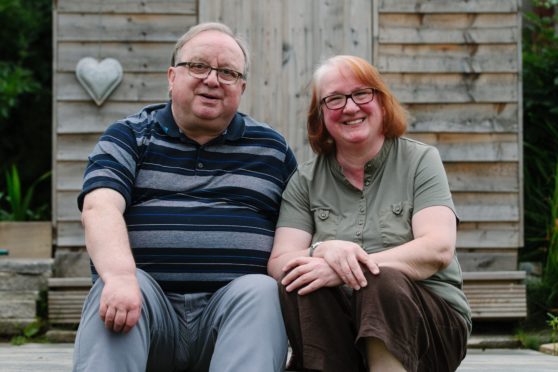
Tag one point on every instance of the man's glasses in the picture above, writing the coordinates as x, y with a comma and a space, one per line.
359, 97
201, 71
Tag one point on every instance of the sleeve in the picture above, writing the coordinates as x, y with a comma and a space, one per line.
295, 207
112, 164
431, 183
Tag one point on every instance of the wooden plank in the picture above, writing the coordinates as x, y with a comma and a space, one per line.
493, 176
448, 29
448, 58
135, 87
70, 234
87, 117
495, 276
26, 239
67, 206
82, 282
500, 235
469, 118
134, 57
75, 147
487, 259
448, 6
487, 207
183, 7
70, 175
476, 147
123, 27
453, 88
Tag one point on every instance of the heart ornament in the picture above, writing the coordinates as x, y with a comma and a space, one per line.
99, 79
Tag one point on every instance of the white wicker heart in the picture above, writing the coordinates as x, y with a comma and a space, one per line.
99, 79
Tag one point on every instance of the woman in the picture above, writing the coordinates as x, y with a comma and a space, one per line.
365, 242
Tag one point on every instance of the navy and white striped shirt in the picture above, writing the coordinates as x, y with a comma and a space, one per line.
198, 216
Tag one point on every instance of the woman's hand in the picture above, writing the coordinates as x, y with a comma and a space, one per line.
308, 274
346, 259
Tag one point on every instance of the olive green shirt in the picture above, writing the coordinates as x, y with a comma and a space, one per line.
405, 177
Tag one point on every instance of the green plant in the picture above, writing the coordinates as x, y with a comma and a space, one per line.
26, 90
540, 132
553, 323
17, 201
31, 332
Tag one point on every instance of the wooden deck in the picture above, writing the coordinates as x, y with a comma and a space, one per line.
58, 358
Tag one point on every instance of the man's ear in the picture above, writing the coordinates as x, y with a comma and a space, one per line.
171, 75
243, 86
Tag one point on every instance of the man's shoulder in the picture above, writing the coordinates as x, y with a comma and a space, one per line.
259, 126
146, 115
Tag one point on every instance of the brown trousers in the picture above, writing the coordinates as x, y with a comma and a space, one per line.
327, 328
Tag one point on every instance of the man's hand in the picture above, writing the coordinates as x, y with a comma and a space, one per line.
121, 300
308, 274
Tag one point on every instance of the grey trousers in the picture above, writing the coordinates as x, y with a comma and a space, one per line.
239, 328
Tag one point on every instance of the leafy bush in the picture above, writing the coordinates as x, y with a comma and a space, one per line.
17, 202
540, 122
26, 91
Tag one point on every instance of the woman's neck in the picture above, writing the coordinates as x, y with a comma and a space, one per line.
353, 159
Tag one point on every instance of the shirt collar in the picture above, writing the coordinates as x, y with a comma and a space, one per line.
234, 131
371, 165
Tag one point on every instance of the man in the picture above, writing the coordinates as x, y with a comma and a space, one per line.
179, 205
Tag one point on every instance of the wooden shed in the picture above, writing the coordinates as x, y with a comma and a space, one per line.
455, 64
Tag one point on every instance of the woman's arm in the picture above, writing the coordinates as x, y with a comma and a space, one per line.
432, 249
290, 263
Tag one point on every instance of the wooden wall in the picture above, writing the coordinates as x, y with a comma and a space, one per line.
141, 36
455, 64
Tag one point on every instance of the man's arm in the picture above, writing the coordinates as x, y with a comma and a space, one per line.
106, 238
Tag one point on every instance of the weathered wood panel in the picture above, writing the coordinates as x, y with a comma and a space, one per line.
487, 260
449, 6
135, 87
70, 234
487, 207
117, 27
67, 206
86, 117
75, 147
448, 58
70, 175
463, 118
494, 176
476, 147
287, 40
128, 6
134, 57
453, 88
448, 28
488, 235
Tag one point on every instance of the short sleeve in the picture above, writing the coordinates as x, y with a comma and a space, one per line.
295, 208
112, 164
430, 183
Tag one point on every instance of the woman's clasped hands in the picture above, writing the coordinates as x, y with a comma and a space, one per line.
333, 263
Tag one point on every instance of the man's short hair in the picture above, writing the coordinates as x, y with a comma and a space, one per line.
212, 26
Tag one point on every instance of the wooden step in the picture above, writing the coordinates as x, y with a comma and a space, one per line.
65, 299
496, 295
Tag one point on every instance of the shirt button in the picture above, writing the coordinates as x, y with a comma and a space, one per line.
358, 233
200, 165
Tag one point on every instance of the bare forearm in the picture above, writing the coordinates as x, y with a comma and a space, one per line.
419, 259
106, 237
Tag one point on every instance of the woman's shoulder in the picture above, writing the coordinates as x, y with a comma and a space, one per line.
414, 147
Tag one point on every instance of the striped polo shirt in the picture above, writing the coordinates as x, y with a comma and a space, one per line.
198, 216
